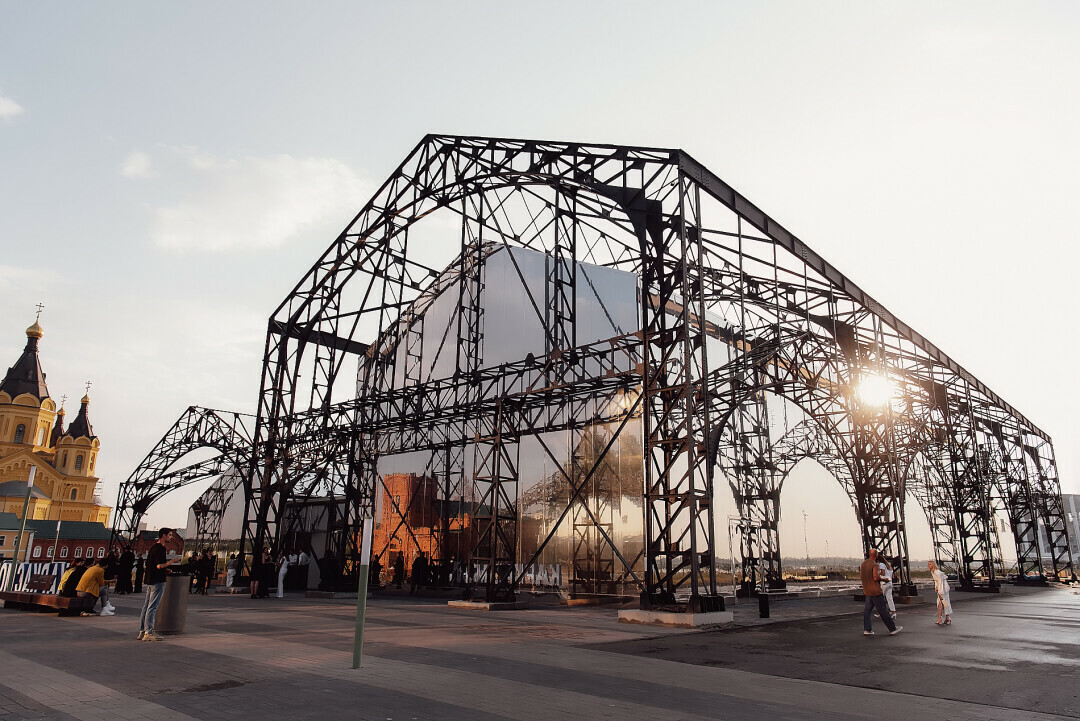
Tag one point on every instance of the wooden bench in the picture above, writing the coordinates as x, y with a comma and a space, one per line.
37, 598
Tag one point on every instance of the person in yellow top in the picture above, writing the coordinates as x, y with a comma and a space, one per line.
67, 574
92, 585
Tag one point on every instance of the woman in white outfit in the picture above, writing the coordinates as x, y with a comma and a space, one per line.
283, 567
230, 567
941, 587
887, 585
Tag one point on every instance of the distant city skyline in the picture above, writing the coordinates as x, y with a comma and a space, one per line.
170, 173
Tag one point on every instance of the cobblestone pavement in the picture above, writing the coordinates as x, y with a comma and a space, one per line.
290, 659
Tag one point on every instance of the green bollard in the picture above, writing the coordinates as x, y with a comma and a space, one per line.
361, 592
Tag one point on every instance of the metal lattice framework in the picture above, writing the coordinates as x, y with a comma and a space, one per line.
202, 444
733, 312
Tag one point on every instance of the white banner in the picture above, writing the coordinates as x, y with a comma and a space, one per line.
24, 571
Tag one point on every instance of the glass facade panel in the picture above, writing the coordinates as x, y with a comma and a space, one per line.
571, 534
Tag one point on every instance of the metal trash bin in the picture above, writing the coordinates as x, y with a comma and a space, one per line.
172, 613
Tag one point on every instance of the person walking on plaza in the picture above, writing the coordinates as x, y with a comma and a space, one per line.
157, 569
887, 584
941, 587
92, 585
282, 570
230, 571
870, 573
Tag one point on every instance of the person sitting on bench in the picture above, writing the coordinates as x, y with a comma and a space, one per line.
92, 585
69, 582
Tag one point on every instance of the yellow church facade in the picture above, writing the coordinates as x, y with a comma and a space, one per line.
32, 433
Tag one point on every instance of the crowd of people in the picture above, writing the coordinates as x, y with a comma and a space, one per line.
202, 567
128, 574
87, 578
288, 569
422, 573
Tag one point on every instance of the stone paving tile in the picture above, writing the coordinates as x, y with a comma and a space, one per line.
16, 706
72, 695
308, 696
245, 660
999, 652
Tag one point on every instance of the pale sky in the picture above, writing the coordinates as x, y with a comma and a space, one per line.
169, 171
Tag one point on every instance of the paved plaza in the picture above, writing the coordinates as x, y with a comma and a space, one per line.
1012, 656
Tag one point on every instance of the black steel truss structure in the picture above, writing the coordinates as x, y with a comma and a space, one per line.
202, 444
735, 317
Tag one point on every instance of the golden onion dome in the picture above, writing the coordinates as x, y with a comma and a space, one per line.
35, 331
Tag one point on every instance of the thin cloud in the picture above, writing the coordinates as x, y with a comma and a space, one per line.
138, 165
254, 203
32, 280
9, 108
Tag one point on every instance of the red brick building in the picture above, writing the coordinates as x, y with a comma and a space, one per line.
412, 518
77, 539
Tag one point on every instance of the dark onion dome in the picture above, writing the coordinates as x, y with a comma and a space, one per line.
81, 425
26, 375
58, 428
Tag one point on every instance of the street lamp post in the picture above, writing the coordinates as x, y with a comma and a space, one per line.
59, 517
22, 529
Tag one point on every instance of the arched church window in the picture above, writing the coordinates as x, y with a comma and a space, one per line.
74, 493
41, 437
64, 463
20, 431
63, 552
78, 462
78, 552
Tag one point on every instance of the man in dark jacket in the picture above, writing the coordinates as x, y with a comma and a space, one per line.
123, 573
205, 569
419, 572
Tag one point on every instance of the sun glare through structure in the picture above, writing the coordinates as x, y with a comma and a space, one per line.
876, 390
